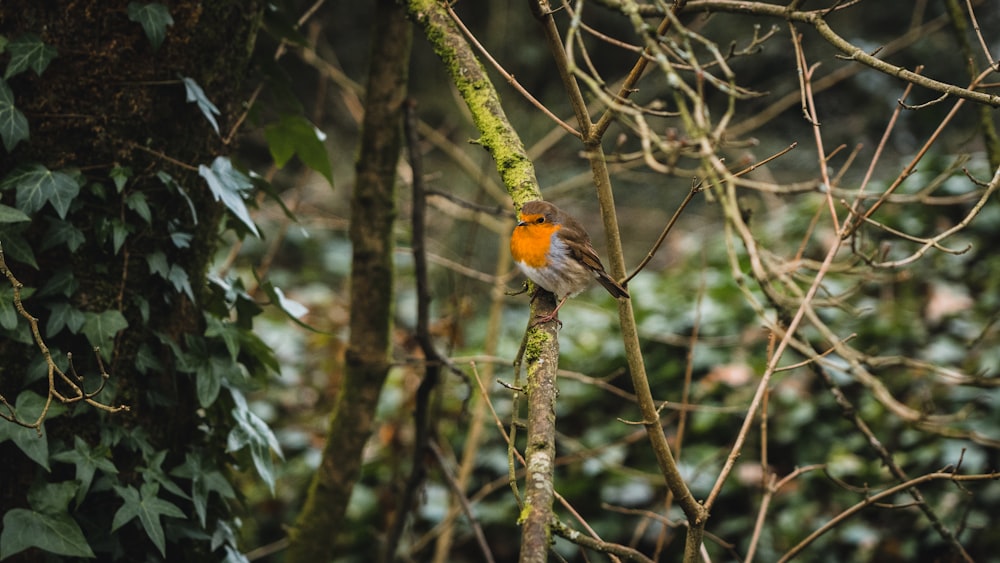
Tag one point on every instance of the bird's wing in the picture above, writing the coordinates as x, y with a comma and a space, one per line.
587, 256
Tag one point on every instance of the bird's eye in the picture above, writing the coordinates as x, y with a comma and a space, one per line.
540, 220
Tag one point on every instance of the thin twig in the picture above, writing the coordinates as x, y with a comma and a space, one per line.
432, 373
508, 76
456, 490
77, 394
982, 40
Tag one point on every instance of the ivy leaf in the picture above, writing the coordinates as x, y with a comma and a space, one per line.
197, 95
209, 382
205, 480
253, 433
136, 201
120, 175
10, 215
169, 182
119, 232
228, 332
154, 473
61, 282
63, 315
154, 19
157, 262
101, 329
34, 443
181, 239
148, 508
28, 51
52, 498
229, 186
15, 247
37, 185
146, 359
13, 124
62, 232
255, 348
295, 135
293, 309
48, 526
88, 460
182, 283
38, 368
8, 314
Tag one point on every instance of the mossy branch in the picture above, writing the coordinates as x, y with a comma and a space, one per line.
496, 133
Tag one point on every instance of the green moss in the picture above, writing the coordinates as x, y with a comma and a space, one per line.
496, 133
537, 342
523, 516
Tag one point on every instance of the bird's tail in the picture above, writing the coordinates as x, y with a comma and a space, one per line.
614, 288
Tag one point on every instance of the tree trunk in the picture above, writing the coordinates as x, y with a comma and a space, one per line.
111, 112
372, 215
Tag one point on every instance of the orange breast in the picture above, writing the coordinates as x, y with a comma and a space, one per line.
530, 244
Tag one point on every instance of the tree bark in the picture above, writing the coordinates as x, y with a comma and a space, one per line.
109, 99
372, 215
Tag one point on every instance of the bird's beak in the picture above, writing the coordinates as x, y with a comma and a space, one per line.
521, 223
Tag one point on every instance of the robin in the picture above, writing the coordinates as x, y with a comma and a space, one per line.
554, 251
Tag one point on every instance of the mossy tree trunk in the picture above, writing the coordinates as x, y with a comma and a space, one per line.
111, 106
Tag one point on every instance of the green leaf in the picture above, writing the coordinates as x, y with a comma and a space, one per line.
208, 383
293, 309
154, 19
229, 333
178, 276
120, 175
59, 534
169, 182
154, 473
136, 201
13, 124
34, 443
119, 232
205, 480
157, 262
15, 247
253, 433
63, 315
295, 135
181, 239
8, 314
28, 51
197, 95
88, 460
229, 186
37, 185
61, 282
38, 368
148, 508
257, 349
52, 498
146, 359
142, 304
10, 215
62, 232
101, 329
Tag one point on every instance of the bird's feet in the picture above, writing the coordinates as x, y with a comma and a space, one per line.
542, 319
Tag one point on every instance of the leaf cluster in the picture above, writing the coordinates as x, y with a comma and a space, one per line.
112, 259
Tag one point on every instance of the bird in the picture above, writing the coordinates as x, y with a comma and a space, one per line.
554, 251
